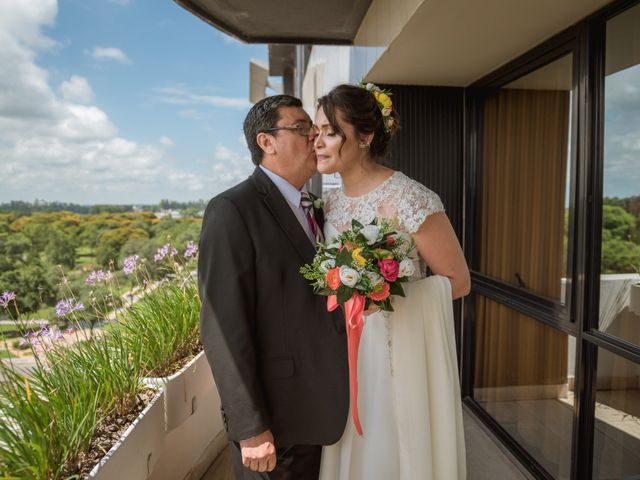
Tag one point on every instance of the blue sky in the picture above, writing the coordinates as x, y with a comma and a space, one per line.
119, 101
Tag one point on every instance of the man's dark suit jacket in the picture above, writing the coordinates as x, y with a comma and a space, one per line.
278, 357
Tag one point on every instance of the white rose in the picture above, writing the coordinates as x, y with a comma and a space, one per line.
406, 268
374, 278
371, 233
349, 276
327, 265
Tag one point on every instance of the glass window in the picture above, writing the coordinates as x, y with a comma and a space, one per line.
616, 451
620, 262
526, 165
524, 378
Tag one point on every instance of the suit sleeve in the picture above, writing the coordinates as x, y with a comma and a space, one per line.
226, 282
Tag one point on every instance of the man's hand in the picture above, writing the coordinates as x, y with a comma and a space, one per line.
259, 452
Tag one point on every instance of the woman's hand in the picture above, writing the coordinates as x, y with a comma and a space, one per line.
373, 308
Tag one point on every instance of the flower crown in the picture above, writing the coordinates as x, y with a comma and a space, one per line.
383, 98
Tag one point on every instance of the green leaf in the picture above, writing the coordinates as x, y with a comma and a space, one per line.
385, 305
356, 225
344, 293
343, 258
396, 289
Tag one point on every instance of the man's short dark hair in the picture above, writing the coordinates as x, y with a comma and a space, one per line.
264, 115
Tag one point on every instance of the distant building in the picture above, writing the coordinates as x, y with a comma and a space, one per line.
175, 214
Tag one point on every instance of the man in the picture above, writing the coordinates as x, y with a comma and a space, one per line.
278, 358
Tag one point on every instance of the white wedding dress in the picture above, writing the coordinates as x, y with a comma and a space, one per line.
409, 394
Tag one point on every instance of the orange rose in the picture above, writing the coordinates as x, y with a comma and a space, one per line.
380, 293
333, 278
350, 246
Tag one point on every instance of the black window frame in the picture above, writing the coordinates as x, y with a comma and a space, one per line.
579, 315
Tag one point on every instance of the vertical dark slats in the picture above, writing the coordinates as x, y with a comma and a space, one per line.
428, 148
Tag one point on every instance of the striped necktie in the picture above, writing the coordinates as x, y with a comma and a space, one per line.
307, 205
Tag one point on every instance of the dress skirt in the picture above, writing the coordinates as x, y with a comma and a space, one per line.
409, 394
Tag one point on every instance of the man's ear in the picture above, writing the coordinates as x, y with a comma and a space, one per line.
266, 142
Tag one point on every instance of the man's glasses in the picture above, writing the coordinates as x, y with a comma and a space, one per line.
299, 128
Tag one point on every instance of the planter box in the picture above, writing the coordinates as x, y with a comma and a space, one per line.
183, 391
135, 454
177, 436
634, 298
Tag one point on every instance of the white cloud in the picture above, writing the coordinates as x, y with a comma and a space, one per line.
110, 53
181, 96
192, 114
166, 142
76, 89
55, 144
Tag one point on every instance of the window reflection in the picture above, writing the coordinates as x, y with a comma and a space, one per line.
620, 261
526, 161
617, 427
524, 377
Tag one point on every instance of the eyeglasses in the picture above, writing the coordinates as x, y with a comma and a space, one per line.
302, 129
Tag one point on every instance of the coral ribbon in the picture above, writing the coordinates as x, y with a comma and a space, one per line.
353, 309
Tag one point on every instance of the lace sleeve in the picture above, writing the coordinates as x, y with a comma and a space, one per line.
417, 202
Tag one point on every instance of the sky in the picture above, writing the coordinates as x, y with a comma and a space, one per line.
132, 101
119, 101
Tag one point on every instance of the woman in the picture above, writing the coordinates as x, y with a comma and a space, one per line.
409, 395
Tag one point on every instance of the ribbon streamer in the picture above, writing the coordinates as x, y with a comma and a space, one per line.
353, 309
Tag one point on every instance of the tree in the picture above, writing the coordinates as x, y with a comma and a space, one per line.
61, 249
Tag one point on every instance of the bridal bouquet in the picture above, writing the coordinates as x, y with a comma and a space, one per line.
363, 265
371, 260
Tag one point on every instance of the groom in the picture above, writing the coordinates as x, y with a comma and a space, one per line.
278, 358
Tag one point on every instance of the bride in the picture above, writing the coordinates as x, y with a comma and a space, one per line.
409, 395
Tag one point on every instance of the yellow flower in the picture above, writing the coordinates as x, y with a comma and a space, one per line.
383, 99
357, 258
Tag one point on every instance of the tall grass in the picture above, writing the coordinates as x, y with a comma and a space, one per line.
163, 327
51, 416
48, 418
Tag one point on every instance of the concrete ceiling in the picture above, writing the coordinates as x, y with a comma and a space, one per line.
456, 42
283, 21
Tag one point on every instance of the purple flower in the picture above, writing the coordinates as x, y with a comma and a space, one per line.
191, 250
161, 253
173, 252
57, 335
6, 297
66, 307
98, 276
22, 343
68, 331
130, 264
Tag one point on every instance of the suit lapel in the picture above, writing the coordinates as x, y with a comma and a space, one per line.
285, 218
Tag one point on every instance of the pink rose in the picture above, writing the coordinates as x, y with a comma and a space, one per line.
389, 269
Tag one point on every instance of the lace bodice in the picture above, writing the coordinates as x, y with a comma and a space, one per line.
398, 198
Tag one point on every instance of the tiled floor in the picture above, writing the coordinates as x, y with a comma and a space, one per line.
485, 459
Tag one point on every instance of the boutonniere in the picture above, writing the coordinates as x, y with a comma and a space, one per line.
318, 203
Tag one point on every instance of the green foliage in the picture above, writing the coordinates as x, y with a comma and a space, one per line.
620, 248
112, 241
163, 327
61, 249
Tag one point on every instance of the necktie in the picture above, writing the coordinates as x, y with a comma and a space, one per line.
307, 205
